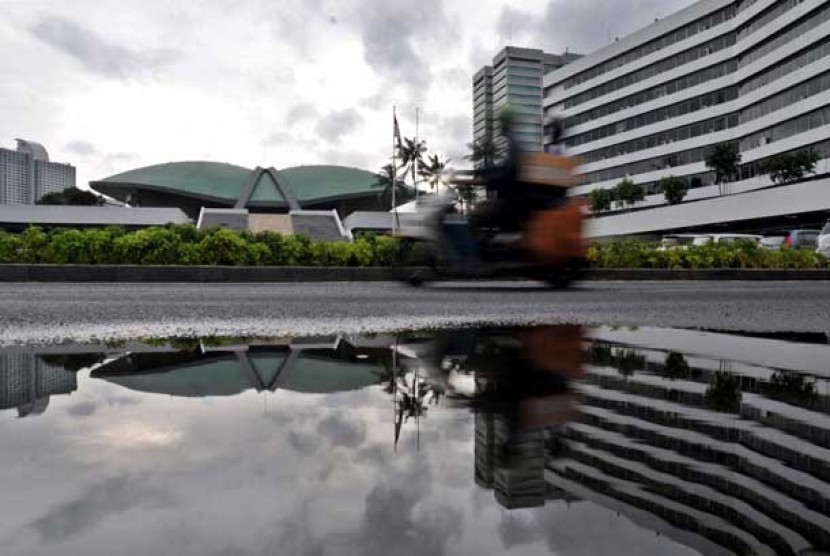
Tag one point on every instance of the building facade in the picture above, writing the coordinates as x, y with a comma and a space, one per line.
750, 73
26, 174
515, 79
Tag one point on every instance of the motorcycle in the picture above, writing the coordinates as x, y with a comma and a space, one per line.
550, 246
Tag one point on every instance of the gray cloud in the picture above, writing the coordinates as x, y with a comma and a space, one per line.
83, 409
300, 113
391, 31
96, 54
335, 125
341, 431
515, 26
82, 148
588, 25
99, 502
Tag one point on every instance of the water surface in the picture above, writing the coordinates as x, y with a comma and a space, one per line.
547, 440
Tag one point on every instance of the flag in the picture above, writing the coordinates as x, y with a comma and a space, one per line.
398, 140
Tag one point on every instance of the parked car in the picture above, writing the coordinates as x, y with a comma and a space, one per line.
674, 241
727, 238
802, 239
823, 242
773, 243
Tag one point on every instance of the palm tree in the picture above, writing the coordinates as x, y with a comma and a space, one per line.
482, 152
411, 153
403, 193
433, 170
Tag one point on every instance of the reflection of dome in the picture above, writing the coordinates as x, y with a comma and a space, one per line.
192, 374
191, 185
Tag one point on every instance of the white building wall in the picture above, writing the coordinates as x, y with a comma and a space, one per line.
556, 95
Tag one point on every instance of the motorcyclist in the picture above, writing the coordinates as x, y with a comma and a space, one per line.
507, 206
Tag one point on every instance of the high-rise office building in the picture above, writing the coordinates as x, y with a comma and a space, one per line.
749, 73
514, 78
26, 174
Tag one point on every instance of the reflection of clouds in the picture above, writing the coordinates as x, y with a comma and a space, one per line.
83, 409
295, 475
341, 431
111, 496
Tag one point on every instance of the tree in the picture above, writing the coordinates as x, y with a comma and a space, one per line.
724, 160
674, 189
600, 199
790, 167
483, 152
724, 393
433, 170
629, 193
383, 181
72, 196
411, 153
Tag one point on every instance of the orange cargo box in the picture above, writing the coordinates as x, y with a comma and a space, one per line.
548, 169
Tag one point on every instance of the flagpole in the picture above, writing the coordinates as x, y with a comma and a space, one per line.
415, 160
396, 141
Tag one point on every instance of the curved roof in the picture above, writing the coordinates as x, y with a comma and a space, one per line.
316, 183
226, 183
210, 180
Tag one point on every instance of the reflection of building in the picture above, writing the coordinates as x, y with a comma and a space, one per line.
315, 367
26, 382
26, 174
514, 79
648, 445
753, 74
509, 461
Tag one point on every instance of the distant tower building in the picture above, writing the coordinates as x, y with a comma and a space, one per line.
26, 382
26, 174
515, 78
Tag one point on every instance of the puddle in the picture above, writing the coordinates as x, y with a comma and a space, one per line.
524, 440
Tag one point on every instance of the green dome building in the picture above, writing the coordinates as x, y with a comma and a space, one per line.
191, 186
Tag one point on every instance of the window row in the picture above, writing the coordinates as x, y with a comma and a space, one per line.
671, 87
697, 129
771, 14
788, 66
802, 124
660, 115
668, 64
792, 33
655, 45
792, 127
790, 96
747, 171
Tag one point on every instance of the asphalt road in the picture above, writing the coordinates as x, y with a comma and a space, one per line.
55, 312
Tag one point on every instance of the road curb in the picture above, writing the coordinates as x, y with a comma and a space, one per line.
720, 274
242, 274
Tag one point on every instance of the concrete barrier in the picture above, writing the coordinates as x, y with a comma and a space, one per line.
275, 274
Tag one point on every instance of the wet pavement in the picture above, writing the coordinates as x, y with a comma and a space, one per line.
561, 439
53, 312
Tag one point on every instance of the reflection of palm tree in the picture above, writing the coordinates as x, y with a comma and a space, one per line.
433, 171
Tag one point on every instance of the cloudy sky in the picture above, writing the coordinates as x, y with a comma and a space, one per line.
109, 85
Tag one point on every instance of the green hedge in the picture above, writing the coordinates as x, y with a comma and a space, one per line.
639, 254
185, 245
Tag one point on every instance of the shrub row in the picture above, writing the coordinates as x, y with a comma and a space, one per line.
639, 254
185, 245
